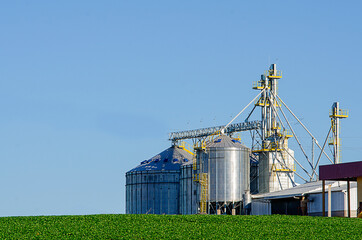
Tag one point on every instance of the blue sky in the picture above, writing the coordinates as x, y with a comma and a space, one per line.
91, 88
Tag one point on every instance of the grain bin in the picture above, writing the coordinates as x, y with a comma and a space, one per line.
189, 190
228, 168
153, 187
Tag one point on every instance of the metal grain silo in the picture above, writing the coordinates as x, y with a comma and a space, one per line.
153, 187
228, 168
189, 190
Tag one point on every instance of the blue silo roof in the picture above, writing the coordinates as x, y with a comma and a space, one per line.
170, 159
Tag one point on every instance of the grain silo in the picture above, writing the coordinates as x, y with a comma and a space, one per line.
228, 170
189, 190
154, 186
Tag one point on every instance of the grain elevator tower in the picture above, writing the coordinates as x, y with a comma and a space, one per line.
276, 160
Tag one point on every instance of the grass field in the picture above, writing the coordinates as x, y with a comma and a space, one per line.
179, 227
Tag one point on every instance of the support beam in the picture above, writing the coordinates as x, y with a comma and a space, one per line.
348, 199
305, 128
324, 198
319, 158
296, 138
282, 163
300, 165
329, 200
232, 120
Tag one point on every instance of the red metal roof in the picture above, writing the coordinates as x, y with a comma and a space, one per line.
343, 171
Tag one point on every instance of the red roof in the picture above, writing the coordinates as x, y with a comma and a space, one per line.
343, 171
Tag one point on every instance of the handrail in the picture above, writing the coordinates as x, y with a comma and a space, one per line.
340, 112
272, 73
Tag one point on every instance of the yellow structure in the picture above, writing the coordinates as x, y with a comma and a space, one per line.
336, 114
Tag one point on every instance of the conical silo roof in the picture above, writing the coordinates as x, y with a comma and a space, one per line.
224, 141
170, 159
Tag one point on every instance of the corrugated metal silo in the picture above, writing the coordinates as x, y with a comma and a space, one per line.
154, 186
228, 168
189, 190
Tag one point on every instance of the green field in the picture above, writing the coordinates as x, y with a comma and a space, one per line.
179, 227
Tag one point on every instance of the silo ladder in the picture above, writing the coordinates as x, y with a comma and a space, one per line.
204, 193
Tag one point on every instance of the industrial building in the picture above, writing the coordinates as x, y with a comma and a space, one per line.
219, 175
288, 201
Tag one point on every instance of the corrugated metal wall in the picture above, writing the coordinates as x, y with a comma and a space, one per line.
152, 192
260, 207
339, 203
189, 191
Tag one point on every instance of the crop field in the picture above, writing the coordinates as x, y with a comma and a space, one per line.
179, 227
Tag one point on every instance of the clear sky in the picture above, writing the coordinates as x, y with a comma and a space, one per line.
91, 88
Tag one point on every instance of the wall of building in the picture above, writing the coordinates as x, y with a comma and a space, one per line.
339, 204
260, 207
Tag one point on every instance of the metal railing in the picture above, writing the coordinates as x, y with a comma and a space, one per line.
186, 146
340, 112
288, 133
271, 73
258, 84
272, 146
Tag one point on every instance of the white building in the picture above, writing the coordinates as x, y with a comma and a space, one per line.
289, 201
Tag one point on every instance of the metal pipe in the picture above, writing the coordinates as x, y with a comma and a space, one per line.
336, 134
291, 179
280, 120
313, 151
325, 142
305, 128
223, 129
296, 138
247, 119
263, 117
284, 165
280, 183
299, 165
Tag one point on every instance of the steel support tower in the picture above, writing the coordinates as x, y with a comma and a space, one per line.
336, 114
276, 160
